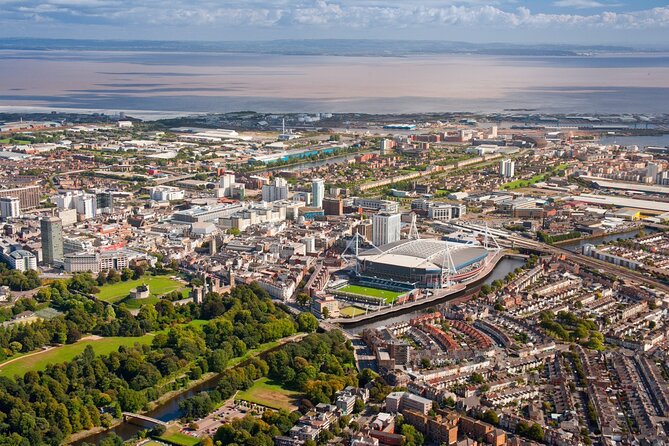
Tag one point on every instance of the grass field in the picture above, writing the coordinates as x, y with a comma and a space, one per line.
388, 296
179, 439
158, 286
64, 353
270, 394
18, 142
136, 304
253, 352
352, 311
535, 179
198, 322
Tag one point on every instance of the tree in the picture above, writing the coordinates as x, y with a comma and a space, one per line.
138, 272
536, 433
491, 417
126, 274
303, 300
102, 278
412, 436
476, 378
113, 276
366, 376
307, 322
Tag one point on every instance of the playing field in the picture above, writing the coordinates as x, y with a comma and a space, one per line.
38, 361
270, 394
179, 439
388, 296
351, 311
158, 286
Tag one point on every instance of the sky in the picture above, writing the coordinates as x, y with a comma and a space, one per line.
620, 22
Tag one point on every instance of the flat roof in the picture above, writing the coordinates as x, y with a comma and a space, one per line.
655, 206
603, 182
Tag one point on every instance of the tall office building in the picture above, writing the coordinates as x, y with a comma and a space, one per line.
317, 192
227, 184
278, 190
386, 228
507, 168
386, 146
333, 206
10, 207
86, 205
652, 170
52, 239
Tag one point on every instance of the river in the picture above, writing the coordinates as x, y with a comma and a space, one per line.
578, 245
169, 410
639, 141
504, 267
310, 164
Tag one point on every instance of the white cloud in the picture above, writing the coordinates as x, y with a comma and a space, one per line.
579, 4
328, 14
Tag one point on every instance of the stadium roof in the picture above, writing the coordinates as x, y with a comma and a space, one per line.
429, 254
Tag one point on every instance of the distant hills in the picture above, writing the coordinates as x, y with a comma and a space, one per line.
325, 47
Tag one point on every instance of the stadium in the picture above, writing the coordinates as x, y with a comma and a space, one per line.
425, 263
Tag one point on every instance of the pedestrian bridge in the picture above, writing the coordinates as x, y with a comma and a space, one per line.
142, 420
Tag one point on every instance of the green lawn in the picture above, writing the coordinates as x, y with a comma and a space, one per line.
136, 304
352, 311
179, 439
253, 352
158, 286
535, 179
65, 353
198, 323
19, 142
388, 296
270, 394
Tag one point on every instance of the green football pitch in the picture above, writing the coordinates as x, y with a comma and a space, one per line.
388, 296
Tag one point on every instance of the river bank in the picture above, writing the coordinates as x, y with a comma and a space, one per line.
627, 233
305, 164
166, 408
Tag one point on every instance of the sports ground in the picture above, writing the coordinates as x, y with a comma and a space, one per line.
270, 394
388, 296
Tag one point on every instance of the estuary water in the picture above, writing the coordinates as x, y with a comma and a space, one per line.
171, 83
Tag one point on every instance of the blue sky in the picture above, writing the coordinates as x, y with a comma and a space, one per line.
633, 22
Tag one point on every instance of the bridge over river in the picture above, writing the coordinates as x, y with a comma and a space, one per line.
142, 420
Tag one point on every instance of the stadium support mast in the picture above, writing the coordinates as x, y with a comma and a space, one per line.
487, 237
447, 267
353, 248
413, 230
